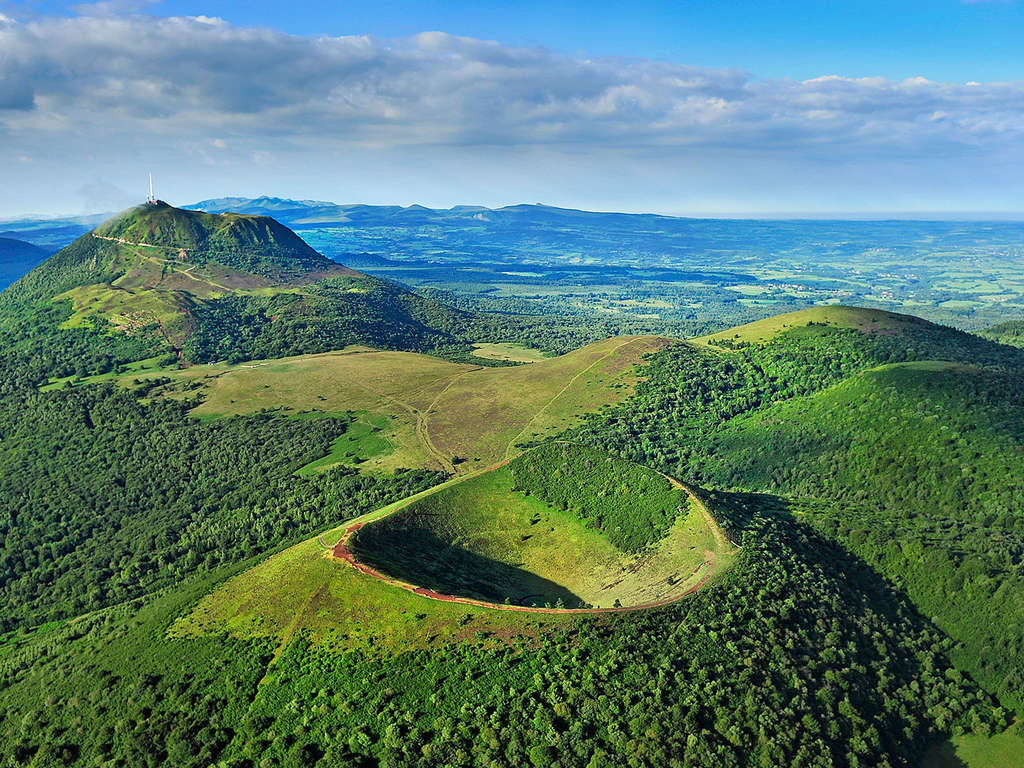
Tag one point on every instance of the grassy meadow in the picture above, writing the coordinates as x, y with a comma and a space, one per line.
858, 318
972, 750
415, 410
508, 351
303, 591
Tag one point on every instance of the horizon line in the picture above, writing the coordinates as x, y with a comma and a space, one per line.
727, 215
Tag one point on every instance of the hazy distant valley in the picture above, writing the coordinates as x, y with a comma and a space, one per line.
653, 272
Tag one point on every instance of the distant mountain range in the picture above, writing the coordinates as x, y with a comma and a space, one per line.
639, 266
54, 233
16, 258
297, 213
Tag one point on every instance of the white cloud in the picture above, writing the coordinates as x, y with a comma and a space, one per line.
109, 85
180, 76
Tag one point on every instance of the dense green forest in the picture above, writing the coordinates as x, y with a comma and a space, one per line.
1011, 332
136, 495
329, 315
601, 491
801, 657
915, 467
34, 348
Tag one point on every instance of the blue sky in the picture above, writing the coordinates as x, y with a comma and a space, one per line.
686, 107
945, 40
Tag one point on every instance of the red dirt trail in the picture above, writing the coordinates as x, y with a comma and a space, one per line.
342, 552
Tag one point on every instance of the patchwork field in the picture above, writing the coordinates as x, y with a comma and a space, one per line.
481, 417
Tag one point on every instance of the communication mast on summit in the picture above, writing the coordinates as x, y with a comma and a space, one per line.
151, 200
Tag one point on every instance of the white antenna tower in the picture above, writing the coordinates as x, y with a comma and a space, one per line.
151, 200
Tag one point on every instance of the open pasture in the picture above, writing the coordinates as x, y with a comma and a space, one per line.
438, 414
510, 352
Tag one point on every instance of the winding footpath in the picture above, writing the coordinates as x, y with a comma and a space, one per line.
510, 449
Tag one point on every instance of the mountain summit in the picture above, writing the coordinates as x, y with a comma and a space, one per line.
216, 286
256, 244
158, 247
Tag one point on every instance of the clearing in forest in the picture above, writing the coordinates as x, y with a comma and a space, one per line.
508, 351
423, 411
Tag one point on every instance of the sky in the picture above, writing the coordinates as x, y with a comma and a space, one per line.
686, 108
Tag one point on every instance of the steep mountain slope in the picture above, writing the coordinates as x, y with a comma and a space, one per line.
158, 247
225, 286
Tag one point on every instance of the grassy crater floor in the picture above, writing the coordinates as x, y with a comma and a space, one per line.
307, 591
502, 538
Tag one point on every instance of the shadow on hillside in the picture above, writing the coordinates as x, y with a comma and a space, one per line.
422, 558
942, 755
823, 570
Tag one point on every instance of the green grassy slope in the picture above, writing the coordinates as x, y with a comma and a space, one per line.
256, 244
971, 750
560, 525
437, 409
921, 463
914, 465
1010, 332
838, 316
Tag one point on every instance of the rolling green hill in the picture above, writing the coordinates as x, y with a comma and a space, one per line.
211, 287
1010, 332
255, 244
157, 247
906, 444
174, 593
919, 468
867, 320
